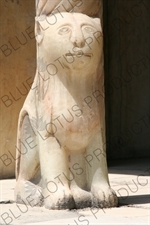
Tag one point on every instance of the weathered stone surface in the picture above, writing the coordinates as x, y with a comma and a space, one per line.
17, 69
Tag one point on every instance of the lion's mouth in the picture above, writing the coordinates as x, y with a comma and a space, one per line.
78, 54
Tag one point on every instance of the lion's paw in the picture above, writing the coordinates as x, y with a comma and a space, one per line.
81, 197
104, 197
28, 193
62, 199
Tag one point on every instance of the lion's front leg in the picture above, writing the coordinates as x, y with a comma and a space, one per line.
26, 191
78, 182
102, 194
54, 164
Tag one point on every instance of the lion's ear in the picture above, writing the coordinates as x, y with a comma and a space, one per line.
38, 36
98, 23
40, 27
97, 20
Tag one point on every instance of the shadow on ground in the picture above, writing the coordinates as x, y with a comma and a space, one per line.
134, 200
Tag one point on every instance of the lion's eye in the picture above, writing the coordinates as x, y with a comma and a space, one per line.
64, 30
89, 29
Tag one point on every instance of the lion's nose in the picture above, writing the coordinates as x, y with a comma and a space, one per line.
77, 39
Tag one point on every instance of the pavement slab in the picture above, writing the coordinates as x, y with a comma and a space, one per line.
129, 178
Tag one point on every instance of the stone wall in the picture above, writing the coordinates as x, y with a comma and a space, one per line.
17, 69
127, 77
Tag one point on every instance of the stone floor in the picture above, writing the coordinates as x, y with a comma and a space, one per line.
129, 178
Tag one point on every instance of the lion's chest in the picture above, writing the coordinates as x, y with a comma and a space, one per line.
73, 121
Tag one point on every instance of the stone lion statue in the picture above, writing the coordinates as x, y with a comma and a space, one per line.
61, 159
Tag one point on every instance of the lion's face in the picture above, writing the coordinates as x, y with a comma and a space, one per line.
74, 41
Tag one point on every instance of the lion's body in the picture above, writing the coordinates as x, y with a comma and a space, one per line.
61, 124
